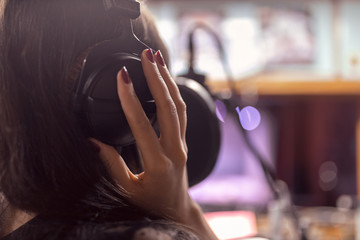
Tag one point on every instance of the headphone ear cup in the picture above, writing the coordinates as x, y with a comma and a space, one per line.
104, 114
203, 130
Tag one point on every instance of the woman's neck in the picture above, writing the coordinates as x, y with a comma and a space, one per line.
12, 218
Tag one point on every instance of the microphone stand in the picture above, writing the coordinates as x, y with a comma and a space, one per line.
283, 202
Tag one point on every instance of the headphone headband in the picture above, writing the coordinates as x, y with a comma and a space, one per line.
94, 99
129, 8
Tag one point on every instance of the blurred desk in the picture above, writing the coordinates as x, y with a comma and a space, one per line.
314, 118
318, 223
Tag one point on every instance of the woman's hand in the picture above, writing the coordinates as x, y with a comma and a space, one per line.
163, 187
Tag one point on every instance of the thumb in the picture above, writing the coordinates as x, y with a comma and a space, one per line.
114, 163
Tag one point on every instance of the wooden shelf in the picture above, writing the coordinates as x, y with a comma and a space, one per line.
334, 87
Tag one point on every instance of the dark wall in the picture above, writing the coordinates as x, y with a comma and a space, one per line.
316, 133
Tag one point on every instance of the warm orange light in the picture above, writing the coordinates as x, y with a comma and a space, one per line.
231, 225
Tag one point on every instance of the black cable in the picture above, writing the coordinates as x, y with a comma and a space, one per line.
230, 103
219, 47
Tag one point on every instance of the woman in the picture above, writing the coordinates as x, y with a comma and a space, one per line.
55, 182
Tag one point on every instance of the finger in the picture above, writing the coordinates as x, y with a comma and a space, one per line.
166, 109
115, 165
143, 132
174, 92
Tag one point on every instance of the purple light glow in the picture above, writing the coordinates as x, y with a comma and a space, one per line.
220, 110
250, 117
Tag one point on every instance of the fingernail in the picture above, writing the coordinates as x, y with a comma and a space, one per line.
125, 75
95, 147
150, 55
160, 58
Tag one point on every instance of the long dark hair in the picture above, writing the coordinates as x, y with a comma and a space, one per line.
47, 166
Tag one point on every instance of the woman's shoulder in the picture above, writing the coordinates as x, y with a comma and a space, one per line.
132, 230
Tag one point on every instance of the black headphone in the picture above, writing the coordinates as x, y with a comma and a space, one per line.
95, 98
96, 104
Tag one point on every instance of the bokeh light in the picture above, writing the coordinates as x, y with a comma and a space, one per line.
328, 176
221, 111
250, 117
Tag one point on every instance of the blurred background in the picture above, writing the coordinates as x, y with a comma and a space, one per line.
297, 64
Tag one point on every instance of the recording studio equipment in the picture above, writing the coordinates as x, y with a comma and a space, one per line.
231, 104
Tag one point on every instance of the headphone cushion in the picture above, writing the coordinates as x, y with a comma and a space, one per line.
104, 113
